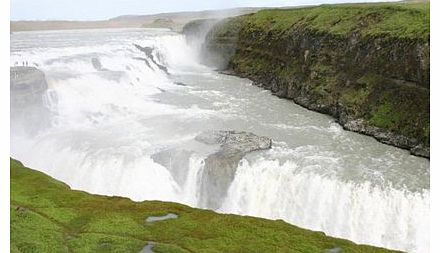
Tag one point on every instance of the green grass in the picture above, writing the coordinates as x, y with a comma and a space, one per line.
47, 216
384, 116
392, 111
409, 20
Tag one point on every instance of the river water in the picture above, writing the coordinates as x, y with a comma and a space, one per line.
128, 129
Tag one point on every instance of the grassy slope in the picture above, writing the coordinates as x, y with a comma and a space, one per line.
409, 20
46, 216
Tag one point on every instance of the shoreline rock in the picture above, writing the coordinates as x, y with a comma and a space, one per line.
357, 125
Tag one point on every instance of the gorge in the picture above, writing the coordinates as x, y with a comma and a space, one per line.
366, 65
135, 113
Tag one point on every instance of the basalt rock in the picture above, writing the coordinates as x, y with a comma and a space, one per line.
220, 167
29, 112
148, 51
176, 161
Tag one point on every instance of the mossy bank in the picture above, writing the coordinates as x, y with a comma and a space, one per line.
47, 216
365, 64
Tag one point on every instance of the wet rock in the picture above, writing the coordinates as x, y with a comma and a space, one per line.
220, 167
384, 136
28, 88
235, 141
145, 61
420, 150
26, 80
148, 51
176, 161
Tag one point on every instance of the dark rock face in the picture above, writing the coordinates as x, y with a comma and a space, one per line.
148, 51
26, 81
176, 161
28, 87
195, 34
374, 85
221, 44
220, 167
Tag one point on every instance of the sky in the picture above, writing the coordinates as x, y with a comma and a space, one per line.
105, 9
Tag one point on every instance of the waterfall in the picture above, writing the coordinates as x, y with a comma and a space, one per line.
122, 125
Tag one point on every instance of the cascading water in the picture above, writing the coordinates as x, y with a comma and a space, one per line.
122, 120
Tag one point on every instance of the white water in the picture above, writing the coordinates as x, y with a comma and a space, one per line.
106, 127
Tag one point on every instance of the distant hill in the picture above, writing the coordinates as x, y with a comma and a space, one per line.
173, 20
187, 14
161, 23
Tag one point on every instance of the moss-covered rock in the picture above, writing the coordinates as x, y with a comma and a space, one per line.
365, 64
47, 216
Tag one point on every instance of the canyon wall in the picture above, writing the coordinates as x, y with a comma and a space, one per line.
367, 65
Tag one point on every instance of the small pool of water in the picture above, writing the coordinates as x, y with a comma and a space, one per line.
168, 216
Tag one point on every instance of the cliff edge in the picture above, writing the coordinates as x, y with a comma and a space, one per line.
47, 216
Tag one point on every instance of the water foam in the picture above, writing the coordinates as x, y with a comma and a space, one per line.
360, 211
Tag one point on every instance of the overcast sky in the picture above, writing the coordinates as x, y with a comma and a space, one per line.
104, 9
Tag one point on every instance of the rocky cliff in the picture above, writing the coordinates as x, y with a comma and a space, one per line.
28, 89
367, 65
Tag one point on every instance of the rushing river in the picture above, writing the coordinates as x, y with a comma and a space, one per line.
120, 125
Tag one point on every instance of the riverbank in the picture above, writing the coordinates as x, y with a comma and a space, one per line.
47, 216
367, 65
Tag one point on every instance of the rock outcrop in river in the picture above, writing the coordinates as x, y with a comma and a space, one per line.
28, 87
366, 65
220, 166
148, 51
